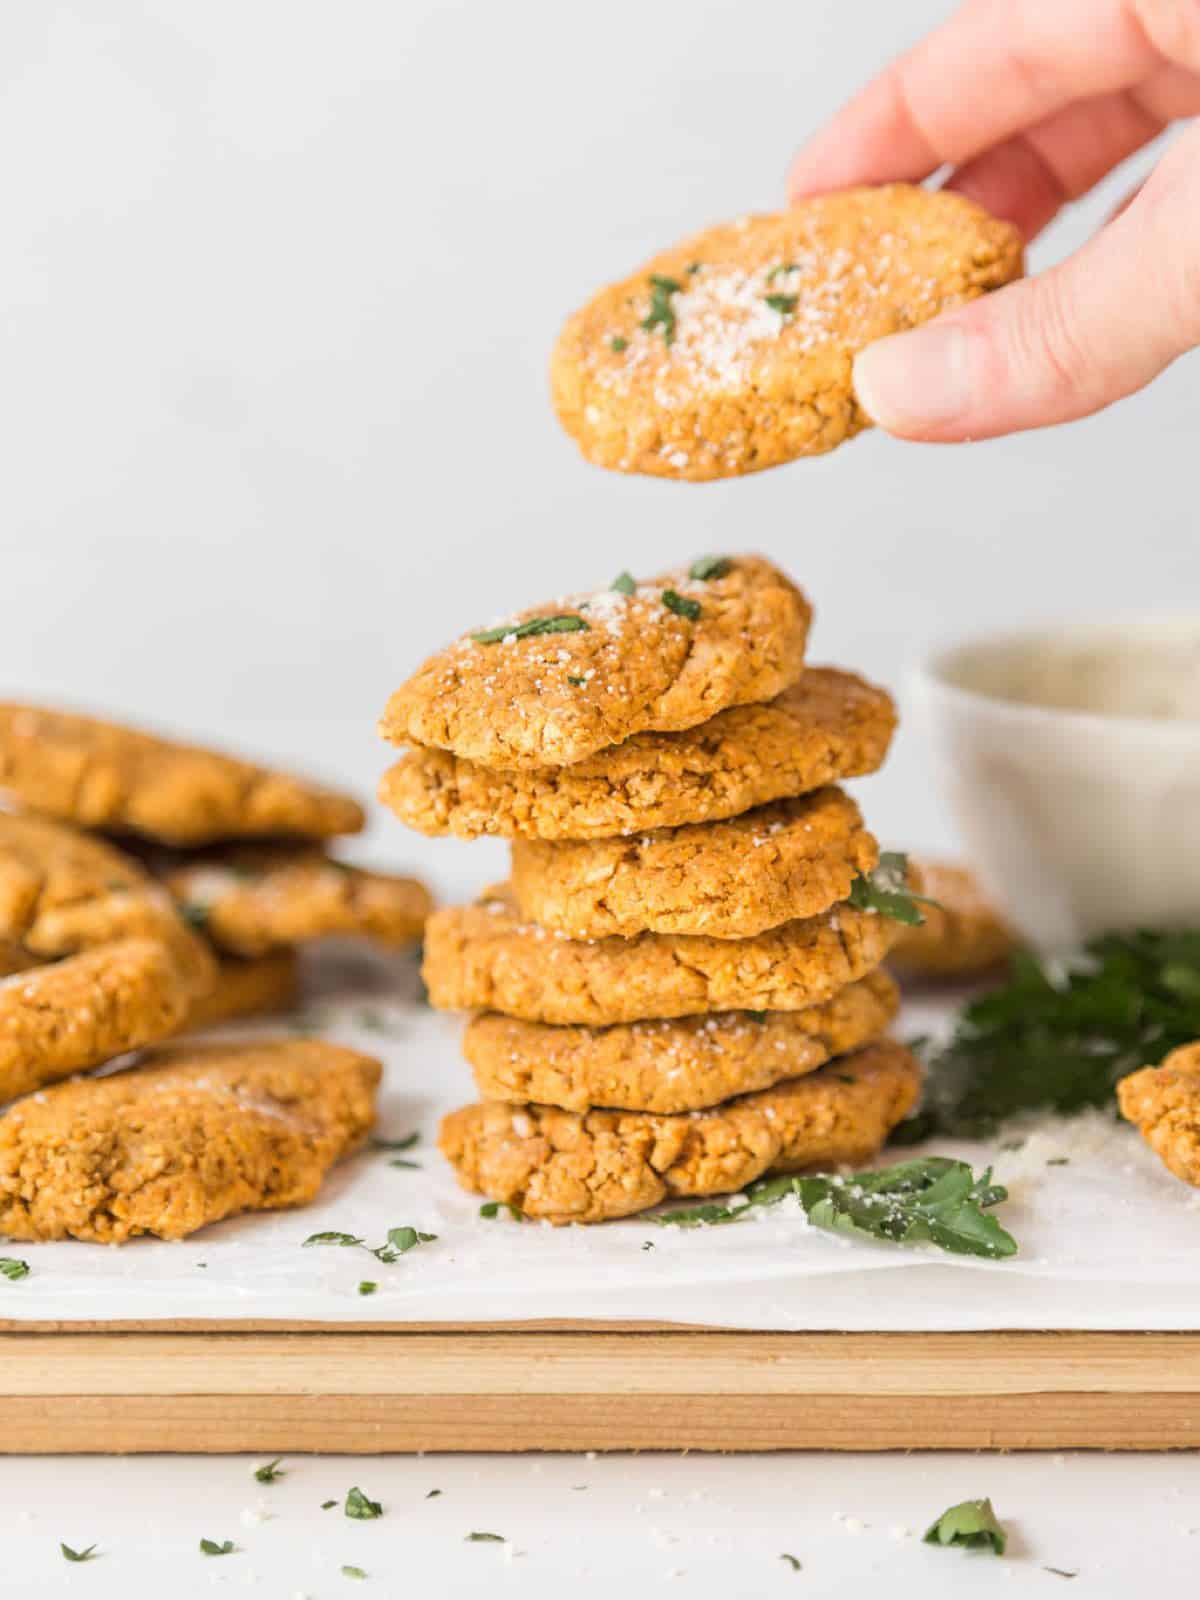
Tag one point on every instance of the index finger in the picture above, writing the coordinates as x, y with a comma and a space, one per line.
995, 67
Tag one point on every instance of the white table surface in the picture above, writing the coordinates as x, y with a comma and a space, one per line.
697, 1525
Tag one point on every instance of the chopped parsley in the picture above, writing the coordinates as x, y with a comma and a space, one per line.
360, 1508
710, 567
486, 1538
563, 622
681, 605
433, 1494
367, 1287
971, 1525
410, 1166
1055, 1040
12, 1269
210, 1547
662, 312
693, 268
779, 268
1060, 1572
624, 583
885, 891
195, 914
399, 1242
791, 1561
785, 304
406, 1143
78, 1555
930, 1200
328, 1505
493, 1208
576, 682
353, 1572
270, 1472
616, 344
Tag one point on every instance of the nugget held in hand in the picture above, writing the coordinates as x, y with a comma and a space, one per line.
196, 1133
734, 350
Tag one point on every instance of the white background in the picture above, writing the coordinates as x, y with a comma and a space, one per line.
278, 283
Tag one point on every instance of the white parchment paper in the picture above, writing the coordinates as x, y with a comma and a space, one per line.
1108, 1240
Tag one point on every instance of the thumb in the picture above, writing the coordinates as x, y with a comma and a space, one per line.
1060, 346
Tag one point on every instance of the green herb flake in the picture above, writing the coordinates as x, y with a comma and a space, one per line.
79, 1555
407, 1166
12, 1269
1059, 1161
779, 269
1055, 1039
367, 1287
785, 304
791, 1561
210, 1547
624, 583
1060, 1572
433, 1494
347, 1241
576, 683
195, 914
328, 1505
972, 1525
406, 1143
270, 1472
931, 1200
693, 268
681, 605
399, 1242
360, 1508
617, 344
564, 622
493, 1208
353, 1572
648, 1244
486, 1538
662, 312
708, 568
885, 891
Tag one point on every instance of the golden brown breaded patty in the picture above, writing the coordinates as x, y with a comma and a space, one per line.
828, 726
963, 935
197, 1133
68, 1016
483, 957
62, 892
565, 1167
632, 663
262, 986
734, 350
729, 880
101, 775
683, 1064
1164, 1105
252, 899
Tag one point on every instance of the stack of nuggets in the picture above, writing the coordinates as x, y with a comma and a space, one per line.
149, 888
673, 994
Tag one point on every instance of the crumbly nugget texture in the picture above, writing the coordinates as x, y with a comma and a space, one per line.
564, 1167
484, 957
253, 899
633, 663
1163, 1103
730, 880
734, 350
102, 775
200, 1132
68, 1016
963, 936
671, 1066
830, 725
62, 891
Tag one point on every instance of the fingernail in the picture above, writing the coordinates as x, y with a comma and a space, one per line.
915, 383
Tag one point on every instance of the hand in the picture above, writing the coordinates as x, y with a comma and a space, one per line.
1032, 102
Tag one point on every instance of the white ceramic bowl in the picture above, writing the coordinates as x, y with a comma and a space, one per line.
1070, 757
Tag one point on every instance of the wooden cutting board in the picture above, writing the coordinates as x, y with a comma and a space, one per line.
276, 1387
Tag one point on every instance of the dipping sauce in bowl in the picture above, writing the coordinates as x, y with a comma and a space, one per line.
1070, 756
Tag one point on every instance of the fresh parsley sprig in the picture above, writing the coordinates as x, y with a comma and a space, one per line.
1055, 1040
931, 1200
12, 1269
270, 1472
972, 1525
562, 622
662, 313
885, 891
